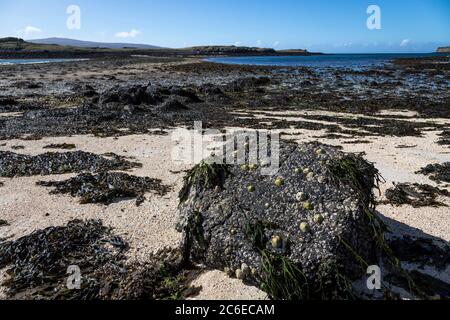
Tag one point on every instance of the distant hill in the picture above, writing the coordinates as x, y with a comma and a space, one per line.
16, 48
443, 50
16, 45
90, 44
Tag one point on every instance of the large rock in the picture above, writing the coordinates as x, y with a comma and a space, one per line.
300, 234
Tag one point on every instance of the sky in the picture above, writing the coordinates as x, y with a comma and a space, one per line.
332, 26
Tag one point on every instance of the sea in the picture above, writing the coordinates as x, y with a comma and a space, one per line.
35, 61
354, 61
320, 61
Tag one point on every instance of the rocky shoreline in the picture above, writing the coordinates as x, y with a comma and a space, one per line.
116, 114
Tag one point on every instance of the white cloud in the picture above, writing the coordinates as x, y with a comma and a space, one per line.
405, 42
237, 43
258, 43
128, 34
276, 43
29, 30
345, 45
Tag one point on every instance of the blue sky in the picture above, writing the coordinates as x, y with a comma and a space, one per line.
318, 25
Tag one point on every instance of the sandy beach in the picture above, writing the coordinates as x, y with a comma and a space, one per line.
299, 114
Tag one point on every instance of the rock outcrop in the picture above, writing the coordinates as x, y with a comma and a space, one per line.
305, 233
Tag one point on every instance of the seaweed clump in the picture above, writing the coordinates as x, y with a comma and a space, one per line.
359, 174
37, 266
417, 195
203, 176
19, 165
444, 138
282, 279
64, 146
363, 177
40, 260
437, 172
107, 187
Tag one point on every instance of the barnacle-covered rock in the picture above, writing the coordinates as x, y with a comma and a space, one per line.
275, 234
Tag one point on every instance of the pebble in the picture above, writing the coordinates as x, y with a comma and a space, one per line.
276, 242
308, 205
239, 274
318, 218
304, 227
245, 269
301, 196
279, 182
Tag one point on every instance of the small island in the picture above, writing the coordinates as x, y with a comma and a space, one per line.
443, 50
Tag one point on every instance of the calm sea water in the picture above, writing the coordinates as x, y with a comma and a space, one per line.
34, 61
332, 60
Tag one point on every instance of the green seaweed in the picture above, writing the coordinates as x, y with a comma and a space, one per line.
415, 194
364, 178
282, 279
194, 233
359, 174
333, 285
203, 176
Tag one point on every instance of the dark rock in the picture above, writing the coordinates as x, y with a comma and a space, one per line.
28, 85
7, 102
248, 83
210, 90
173, 104
189, 94
226, 228
88, 91
124, 94
422, 251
